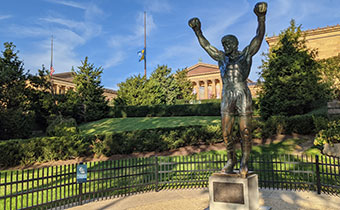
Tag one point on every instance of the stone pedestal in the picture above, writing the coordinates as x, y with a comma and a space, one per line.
230, 191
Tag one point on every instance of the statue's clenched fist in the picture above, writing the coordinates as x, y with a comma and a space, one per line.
195, 24
260, 9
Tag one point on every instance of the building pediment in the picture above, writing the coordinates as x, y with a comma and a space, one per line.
202, 69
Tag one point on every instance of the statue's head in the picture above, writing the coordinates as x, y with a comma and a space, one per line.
230, 43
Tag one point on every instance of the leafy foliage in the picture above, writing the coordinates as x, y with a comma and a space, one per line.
90, 92
161, 88
161, 110
132, 91
291, 80
42, 100
62, 127
183, 85
329, 135
42, 149
330, 73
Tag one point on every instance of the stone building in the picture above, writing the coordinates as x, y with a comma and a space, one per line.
62, 82
326, 40
207, 83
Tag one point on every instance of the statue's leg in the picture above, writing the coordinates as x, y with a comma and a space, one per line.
246, 143
227, 126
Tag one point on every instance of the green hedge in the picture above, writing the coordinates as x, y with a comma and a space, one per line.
61, 126
206, 109
204, 101
300, 124
329, 135
42, 149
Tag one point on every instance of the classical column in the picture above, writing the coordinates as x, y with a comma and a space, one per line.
221, 86
214, 88
57, 89
206, 89
197, 90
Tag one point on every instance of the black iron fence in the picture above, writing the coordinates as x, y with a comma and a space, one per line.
56, 186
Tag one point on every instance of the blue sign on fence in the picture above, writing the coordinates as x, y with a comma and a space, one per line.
81, 173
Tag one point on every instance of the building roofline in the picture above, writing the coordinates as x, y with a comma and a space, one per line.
63, 74
202, 64
207, 73
59, 77
310, 32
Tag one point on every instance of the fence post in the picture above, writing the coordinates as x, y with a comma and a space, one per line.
81, 193
318, 182
156, 173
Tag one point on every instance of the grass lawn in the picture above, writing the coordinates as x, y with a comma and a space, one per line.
279, 148
140, 123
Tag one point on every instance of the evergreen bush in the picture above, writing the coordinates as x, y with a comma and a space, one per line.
330, 135
62, 127
207, 109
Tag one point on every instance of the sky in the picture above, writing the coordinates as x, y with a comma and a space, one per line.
111, 32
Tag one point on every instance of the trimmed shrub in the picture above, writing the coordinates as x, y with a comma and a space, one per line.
206, 109
330, 135
15, 123
42, 149
274, 125
159, 139
62, 127
301, 124
320, 123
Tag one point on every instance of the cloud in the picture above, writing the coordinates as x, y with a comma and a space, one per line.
157, 6
139, 28
3, 17
87, 29
115, 60
133, 39
91, 10
69, 3
68, 36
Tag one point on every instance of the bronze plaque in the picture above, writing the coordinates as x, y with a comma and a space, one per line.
228, 192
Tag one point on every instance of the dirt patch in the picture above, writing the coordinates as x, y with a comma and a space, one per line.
183, 151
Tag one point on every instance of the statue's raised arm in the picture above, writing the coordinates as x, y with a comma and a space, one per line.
214, 53
260, 10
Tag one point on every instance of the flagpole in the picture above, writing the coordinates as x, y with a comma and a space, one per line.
51, 53
51, 68
145, 44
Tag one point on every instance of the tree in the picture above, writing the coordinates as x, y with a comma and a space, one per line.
15, 115
291, 80
132, 91
330, 74
161, 88
12, 78
42, 100
183, 85
90, 92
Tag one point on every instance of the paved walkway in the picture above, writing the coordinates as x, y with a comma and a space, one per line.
198, 199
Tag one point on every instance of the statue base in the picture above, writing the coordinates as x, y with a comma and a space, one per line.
230, 191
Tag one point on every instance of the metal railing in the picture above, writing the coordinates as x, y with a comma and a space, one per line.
56, 186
